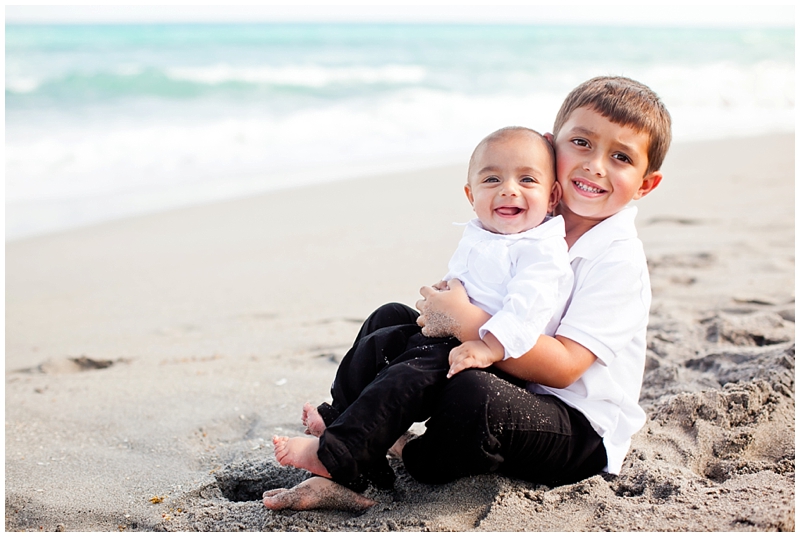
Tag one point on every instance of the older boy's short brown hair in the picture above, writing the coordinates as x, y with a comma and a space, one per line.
627, 103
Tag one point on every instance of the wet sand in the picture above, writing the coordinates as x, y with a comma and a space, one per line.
150, 360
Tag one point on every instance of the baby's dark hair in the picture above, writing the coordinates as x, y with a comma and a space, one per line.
500, 134
627, 103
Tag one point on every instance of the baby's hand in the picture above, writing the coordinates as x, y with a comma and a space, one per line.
475, 355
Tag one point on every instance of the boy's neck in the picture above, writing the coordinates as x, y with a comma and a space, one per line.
574, 225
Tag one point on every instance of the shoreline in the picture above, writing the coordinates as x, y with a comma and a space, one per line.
149, 360
137, 204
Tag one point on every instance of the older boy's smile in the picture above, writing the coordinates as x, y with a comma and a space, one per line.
588, 188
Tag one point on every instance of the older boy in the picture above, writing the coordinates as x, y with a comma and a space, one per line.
581, 401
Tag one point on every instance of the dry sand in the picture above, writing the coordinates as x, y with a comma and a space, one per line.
149, 361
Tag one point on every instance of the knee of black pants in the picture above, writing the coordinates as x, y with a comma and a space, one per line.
391, 314
458, 440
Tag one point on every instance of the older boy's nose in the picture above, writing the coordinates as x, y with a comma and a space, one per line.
594, 165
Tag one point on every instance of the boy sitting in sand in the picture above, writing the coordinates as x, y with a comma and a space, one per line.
513, 261
580, 407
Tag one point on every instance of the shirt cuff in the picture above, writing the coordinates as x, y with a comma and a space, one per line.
516, 336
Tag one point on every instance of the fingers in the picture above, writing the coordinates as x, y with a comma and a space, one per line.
459, 360
426, 291
454, 284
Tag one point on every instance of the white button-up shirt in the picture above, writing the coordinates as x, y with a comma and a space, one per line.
523, 280
608, 313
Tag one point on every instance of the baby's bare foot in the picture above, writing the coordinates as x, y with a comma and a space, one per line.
314, 423
299, 452
316, 493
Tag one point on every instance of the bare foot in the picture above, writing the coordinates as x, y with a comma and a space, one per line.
316, 493
299, 452
314, 423
396, 451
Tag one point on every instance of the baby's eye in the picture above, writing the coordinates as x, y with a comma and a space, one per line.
528, 179
491, 179
622, 157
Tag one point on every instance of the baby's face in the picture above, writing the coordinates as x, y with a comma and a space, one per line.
511, 184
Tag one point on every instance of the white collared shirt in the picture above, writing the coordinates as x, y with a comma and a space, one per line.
608, 313
523, 280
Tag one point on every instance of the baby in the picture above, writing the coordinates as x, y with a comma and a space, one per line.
514, 264
512, 259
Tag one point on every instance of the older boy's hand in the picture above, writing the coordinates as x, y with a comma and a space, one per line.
475, 354
435, 307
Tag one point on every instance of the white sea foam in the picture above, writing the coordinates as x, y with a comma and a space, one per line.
313, 76
21, 84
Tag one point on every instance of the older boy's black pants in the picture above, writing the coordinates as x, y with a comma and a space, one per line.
388, 380
481, 421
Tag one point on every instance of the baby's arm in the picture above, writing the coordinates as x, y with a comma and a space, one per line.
476, 353
537, 291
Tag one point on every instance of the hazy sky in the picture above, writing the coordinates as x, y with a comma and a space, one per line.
624, 14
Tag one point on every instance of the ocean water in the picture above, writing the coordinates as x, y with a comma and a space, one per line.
108, 121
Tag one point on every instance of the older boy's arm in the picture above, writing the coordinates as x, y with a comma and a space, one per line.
555, 362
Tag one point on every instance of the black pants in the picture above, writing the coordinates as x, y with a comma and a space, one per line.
388, 380
481, 421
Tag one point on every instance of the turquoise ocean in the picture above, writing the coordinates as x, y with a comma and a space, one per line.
109, 121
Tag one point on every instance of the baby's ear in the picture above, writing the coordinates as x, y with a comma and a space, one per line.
650, 182
549, 137
468, 192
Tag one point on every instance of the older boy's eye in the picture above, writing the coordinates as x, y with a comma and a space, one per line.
623, 157
581, 142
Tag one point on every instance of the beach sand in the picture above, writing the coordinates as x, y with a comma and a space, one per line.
149, 361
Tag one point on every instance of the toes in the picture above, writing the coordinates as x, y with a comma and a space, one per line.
273, 492
281, 447
280, 500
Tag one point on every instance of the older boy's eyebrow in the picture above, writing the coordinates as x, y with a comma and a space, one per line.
587, 132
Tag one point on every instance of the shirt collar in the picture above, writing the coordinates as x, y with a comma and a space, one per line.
551, 227
614, 228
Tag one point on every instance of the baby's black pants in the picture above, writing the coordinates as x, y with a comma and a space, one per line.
479, 421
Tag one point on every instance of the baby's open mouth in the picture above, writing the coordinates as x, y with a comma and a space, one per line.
508, 211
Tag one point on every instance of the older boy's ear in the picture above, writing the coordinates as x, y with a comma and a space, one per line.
468, 192
649, 182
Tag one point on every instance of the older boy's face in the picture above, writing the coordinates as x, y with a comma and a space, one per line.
510, 184
601, 165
